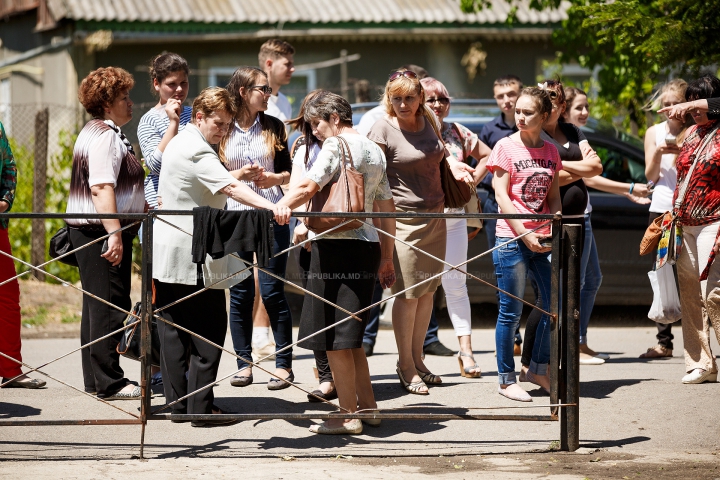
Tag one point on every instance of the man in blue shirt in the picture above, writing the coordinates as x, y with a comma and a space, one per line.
506, 91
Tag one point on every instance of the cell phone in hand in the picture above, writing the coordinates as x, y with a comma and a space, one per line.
104, 248
545, 242
670, 139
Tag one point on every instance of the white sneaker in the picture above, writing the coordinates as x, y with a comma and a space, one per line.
603, 356
700, 376
591, 361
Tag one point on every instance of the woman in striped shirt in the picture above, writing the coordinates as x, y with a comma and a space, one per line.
256, 152
169, 75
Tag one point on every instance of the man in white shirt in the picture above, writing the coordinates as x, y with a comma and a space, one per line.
276, 59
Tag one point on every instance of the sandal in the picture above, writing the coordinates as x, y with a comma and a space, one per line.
466, 371
429, 378
411, 387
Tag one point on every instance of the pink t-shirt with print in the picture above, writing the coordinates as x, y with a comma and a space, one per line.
531, 174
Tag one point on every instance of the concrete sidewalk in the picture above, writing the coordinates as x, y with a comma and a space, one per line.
628, 406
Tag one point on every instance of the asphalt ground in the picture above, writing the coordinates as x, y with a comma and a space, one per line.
630, 409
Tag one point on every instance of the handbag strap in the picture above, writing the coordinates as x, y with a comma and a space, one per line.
683, 188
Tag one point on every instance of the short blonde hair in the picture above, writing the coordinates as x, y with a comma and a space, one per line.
430, 83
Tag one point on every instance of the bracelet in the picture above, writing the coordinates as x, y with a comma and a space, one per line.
632, 185
650, 184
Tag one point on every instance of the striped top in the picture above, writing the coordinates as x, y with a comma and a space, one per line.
100, 156
151, 129
248, 146
531, 172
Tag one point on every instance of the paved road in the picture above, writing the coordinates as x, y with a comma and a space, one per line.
628, 406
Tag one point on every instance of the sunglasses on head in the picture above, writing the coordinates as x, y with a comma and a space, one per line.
406, 73
265, 89
440, 100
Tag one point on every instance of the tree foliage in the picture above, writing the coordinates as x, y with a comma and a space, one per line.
637, 43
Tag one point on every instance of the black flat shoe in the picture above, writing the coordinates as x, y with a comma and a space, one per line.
332, 395
278, 384
214, 423
437, 348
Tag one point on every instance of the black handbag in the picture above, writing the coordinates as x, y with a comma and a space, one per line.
129, 345
60, 245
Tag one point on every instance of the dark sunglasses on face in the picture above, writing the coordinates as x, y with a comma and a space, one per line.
406, 73
441, 100
265, 89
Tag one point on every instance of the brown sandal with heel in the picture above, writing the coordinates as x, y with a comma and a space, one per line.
466, 371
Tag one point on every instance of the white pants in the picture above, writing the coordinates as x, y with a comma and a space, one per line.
453, 282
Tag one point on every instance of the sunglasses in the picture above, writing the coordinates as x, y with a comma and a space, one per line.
441, 100
406, 73
265, 89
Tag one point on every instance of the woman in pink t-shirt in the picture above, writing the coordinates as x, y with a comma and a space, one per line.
525, 182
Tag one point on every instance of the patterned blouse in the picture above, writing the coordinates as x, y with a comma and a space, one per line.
460, 141
8, 174
701, 205
369, 160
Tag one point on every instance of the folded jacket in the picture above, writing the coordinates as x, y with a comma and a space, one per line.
221, 232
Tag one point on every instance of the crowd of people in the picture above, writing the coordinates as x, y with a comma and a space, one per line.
229, 152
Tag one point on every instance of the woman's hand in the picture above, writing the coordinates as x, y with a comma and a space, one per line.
637, 199
462, 172
173, 108
532, 241
114, 252
680, 110
249, 172
268, 179
300, 234
664, 149
282, 214
386, 273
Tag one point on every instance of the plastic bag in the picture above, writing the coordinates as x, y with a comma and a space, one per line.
666, 302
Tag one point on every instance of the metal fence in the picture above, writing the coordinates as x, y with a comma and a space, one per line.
564, 360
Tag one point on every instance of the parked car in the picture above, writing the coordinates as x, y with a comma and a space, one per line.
618, 223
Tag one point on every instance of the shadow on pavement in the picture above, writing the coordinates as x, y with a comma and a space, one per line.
15, 410
613, 443
602, 388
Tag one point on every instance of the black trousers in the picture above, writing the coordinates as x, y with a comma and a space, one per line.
664, 330
321, 359
180, 352
101, 362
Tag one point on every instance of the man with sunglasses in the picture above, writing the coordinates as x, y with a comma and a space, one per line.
506, 91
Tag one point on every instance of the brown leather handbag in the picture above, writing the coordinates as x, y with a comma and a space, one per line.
346, 195
652, 235
457, 192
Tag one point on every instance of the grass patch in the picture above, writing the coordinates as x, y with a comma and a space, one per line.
34, 316
68, 316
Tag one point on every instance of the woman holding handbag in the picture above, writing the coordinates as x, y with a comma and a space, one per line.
344, 265
463, 145
410, 138
697, 214
662, 146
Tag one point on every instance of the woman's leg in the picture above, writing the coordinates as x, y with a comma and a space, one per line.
242, 297
590, 280
531, 326
342, 363
100, 360
406, 320
456, 295
9, 312
363, 385
511, 275
697, 243
273, 296
539, 264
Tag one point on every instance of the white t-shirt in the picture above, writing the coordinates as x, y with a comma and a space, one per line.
369, 119
279, 107
665, 187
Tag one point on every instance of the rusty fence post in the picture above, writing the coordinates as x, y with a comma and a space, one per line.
145, 326
570, 358
37, 248
555, 339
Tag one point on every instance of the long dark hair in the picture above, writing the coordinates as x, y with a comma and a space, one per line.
245, 77
166, 64
298, 123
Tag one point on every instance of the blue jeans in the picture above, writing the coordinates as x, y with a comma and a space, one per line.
513, 262
590, 279
272, 291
